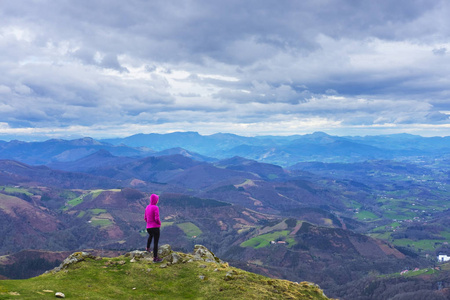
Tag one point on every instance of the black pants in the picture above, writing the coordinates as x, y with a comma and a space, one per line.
153, 233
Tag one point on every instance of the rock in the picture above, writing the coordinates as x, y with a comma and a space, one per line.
175, 258
60, 295
230, 275
202, 266
202, 277
137, 254
73, 259
202, 253
164, 250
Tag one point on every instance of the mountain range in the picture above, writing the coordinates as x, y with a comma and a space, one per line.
283, 151
344, 210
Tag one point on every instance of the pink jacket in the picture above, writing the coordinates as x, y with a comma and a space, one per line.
152, 213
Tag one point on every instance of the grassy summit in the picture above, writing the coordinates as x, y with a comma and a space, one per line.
199, 275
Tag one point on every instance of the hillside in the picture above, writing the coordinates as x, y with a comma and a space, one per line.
332, 223
134, 276
415, 284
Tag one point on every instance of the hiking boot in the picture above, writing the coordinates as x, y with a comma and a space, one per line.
157, 260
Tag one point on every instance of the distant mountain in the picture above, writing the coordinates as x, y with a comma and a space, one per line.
99, 159
283, 151
62, 150
286, 151
188, 140
186, 153
406, 142
264, 170
23, 174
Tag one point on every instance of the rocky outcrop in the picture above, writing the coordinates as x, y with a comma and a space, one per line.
200, 253
73, 259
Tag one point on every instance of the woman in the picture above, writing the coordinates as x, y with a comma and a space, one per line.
153, 225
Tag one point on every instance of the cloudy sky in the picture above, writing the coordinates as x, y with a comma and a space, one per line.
107, 68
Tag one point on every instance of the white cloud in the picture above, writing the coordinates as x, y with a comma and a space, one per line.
243, 67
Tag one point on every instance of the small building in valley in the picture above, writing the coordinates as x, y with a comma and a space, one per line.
443, 258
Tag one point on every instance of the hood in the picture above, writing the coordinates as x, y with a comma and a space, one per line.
154, 199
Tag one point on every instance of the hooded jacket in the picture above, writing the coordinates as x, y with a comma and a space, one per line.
152, 213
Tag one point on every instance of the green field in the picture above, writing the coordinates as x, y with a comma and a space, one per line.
190, 229
165, 224
97, 211
78, 200
366, 215
264, 240
11, 190
101, 222
421, 244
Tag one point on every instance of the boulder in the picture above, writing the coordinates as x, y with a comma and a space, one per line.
137, 254
164, 250
73, 259
202, 253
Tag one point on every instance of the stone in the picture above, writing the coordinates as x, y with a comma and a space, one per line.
202, 253
230, 275
60, 295
164, 250
137, 254
202, 277
175, 258
73, 259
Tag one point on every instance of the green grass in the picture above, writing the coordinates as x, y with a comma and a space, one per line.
101, 222
165, 224
78, 200
421, 244
190, 229
119, 278
74, 202
97, 211
412, 273
366, 215
446, 235
8, 190
263, 240
383, 236
81, 214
